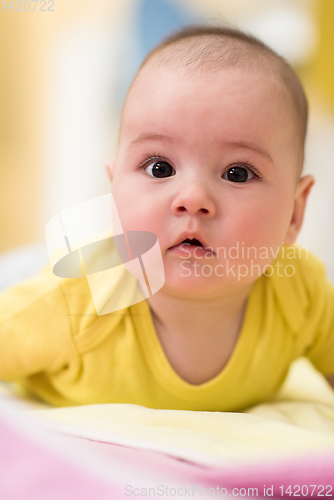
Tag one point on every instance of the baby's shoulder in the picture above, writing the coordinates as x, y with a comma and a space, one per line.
300, 267
299, 283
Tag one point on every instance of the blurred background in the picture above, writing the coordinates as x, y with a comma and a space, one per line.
65, 67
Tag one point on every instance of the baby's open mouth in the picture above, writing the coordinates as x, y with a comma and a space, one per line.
191, 238
184, 246
192, 242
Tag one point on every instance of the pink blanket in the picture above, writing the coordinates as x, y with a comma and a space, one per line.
40, 464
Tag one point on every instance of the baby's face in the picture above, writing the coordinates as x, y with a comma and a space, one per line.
212, 154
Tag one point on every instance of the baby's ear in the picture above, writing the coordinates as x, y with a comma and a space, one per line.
303, 190
110, 169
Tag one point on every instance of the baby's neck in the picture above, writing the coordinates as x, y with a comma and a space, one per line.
198, 339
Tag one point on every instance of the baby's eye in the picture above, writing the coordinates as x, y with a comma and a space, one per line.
161, 169
238, 174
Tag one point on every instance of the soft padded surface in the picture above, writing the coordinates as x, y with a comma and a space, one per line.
298, 420
286, 441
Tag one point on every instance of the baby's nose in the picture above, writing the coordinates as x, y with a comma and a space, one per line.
195, 200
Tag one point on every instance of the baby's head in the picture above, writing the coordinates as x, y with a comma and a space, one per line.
211, 145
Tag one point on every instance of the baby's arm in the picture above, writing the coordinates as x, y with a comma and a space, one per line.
35, 332
318, 329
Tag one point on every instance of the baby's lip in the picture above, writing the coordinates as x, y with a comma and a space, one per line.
190, 235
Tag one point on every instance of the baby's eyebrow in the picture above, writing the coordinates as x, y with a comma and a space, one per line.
245, 145
149, 137
252, 146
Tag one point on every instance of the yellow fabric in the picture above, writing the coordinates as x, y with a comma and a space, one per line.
53, 344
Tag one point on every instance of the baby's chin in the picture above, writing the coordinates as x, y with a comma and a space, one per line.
196, 284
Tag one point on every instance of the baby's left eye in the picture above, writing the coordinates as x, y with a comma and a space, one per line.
238, 174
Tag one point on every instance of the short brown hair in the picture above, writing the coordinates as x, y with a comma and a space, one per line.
201, 46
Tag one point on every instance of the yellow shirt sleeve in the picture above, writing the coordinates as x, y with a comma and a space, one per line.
321, 350
35, 328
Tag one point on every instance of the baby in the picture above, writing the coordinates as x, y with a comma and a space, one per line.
210, 157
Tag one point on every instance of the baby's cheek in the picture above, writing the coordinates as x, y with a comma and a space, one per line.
259, 227
125, 205
134, 217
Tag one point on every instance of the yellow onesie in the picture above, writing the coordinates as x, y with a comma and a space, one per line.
54, 345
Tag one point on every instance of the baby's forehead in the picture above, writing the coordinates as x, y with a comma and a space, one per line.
210, 52
157, 84
204, 109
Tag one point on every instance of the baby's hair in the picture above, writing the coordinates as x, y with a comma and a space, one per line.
199, 47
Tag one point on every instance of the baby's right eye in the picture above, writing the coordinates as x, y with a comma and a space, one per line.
161, 169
